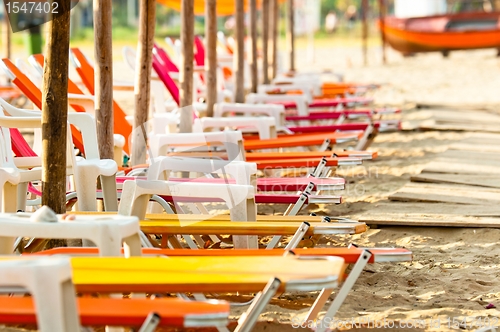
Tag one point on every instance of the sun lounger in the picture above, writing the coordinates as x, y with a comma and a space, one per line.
270, 275
352, 255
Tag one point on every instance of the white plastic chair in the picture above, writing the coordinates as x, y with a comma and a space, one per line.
107, 232
230, 141
48, 279
275, 111
265, 126
84, 170
300, 101
239, 198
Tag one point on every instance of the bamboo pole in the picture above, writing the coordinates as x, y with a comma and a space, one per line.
211, 54
253, 36
274, 37
265, 41
6, 36
103, 21
55, 110
291, 36
186, 66
364, 18
142, 86
6, 40
382, 13
239, 56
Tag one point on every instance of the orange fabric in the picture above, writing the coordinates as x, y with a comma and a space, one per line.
251, 156
287, 163
115, 312
34, 94
350, 255
297, 140
86, 72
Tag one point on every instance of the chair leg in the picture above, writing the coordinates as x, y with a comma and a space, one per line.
297, 237
342, 294
22, 190
109, 193
9, 197
362, 143
150, 323
248, 320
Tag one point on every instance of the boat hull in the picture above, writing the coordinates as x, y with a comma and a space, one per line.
401, 38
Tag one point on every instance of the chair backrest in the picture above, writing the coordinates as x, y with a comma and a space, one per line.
199, 56
223, 40
86, 72
19, 146
161, 71
11, 116
165, 58
37, 62
34, 94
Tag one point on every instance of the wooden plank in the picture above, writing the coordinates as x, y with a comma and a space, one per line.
239, 52
462, 167
432, 214
457, 194
470, 155
433, 125
55, 110
464, 116
103, 20
483, 139
478, 147
211, 54
470, 179
466, 161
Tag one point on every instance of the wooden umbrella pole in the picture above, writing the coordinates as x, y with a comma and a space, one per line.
291, 35
55, 110
364, 5
186, 66
253, 35
142, 86
6, 36
382, 13
265, 40
239, 56
103, 20
211, 54
274, 36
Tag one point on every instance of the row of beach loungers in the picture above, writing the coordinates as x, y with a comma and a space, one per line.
281, 147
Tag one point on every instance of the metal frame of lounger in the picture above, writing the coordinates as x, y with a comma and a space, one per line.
298, 230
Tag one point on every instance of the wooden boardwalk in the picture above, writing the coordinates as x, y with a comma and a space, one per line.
460, 188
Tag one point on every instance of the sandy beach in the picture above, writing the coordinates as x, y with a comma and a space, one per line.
455, 272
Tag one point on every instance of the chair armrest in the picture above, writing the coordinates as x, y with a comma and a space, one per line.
27, 162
